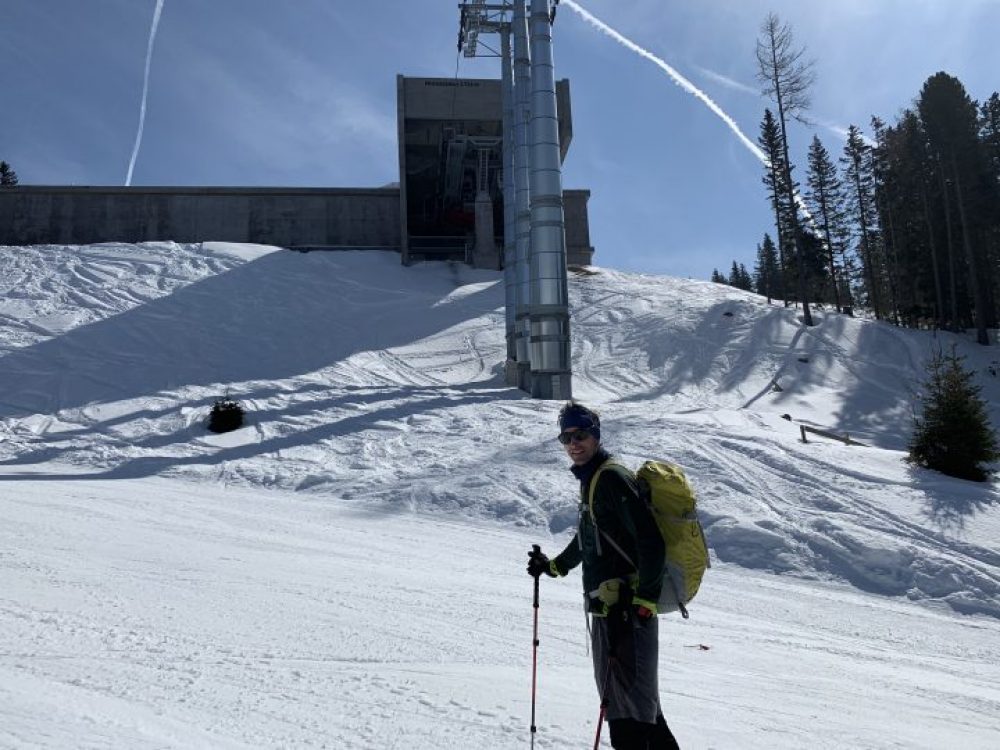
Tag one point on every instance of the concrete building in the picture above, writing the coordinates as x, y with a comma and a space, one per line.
451, 162
449, 169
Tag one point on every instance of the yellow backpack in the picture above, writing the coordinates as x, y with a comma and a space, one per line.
672, 502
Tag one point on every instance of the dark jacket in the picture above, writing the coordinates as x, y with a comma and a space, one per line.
624, 516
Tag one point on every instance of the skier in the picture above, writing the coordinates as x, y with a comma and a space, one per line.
620, 599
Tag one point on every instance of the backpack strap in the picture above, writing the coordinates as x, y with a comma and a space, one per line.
593, 519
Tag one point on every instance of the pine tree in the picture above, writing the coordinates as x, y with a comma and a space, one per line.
989, 130
774, 180
951, 121
857, 175
883, 189
8, 177
786, 77
766, 272
826, 203
813, 263
746, 280
920, 237
953, 434
907, 198
718, 278
989, 134
740, 278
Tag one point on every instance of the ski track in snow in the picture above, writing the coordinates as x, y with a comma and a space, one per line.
376, 402
147, 615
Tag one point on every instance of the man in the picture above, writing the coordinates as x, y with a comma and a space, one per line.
621, 598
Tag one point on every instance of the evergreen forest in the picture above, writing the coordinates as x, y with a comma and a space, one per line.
903, 222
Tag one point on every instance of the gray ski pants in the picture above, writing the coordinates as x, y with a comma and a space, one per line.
628, 647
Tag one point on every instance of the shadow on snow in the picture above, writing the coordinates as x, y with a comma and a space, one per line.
282, 315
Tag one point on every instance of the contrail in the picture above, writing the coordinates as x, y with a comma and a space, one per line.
145, 90
729, 82
680, 80
685, 84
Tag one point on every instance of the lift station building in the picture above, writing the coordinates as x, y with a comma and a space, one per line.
450, 152
450, 155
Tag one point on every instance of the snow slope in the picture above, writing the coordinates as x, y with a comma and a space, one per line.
154, 595
149, 613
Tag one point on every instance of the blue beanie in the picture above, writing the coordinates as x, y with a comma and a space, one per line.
579, 416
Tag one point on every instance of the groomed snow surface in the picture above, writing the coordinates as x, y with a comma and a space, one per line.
347, 570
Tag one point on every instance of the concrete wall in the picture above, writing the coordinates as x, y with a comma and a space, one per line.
289, 217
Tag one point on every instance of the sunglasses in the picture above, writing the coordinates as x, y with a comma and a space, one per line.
577, 436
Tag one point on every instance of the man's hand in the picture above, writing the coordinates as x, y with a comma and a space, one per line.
607, 592
538, 563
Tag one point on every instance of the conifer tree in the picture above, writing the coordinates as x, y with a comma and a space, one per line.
883, 191
8, 177
786, 78
950, 119
923, 213
906, 188
746, 280
774, 180
813, 263
989, 130
766, 272
718, 278
953, 433
740, 278
825, 199
858, 177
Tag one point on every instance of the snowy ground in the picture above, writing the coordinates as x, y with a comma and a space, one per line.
347, 570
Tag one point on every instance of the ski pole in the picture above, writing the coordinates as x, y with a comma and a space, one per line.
604, 703
534, 653
612, 631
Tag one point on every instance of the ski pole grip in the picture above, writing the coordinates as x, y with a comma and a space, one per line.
536, 550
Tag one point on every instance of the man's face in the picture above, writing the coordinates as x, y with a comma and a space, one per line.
581, 446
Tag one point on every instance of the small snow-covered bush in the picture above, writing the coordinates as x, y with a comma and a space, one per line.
226, 415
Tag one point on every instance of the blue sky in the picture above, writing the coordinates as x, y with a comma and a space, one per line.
257, 92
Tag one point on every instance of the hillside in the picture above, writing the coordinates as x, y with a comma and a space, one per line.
346, 569
349, 362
